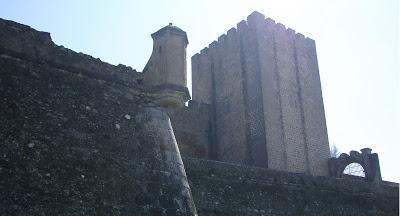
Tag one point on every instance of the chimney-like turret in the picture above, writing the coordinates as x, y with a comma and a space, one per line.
165, 71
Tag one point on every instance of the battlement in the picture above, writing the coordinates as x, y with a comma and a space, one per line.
255, 19
266, 75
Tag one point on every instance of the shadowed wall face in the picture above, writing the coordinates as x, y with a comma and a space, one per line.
227, 189
192, 129
262, 82
79, 136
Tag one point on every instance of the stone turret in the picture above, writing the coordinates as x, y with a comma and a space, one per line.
165, 71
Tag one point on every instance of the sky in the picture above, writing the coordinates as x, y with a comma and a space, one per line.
357, 46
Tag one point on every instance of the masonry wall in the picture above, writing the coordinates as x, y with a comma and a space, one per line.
313, 107
255, 122
192, 129
226, 189
202, 88
274, 84
290, 101
221, 64
81, 137
274, 131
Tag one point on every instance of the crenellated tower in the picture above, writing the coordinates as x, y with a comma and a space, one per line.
262, 82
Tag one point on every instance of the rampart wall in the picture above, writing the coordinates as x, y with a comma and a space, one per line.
220, 188
81, 137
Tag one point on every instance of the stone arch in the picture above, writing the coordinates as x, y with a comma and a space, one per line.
369, 162
344, 160
354, 169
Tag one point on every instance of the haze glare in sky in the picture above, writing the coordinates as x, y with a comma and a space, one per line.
357, 46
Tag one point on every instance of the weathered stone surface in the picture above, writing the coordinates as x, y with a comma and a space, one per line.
166, 67
222, 64
369, 163
81, 137
220, 188
276, 148
263, 86
255, 121
192, 129
314, 124
26, 43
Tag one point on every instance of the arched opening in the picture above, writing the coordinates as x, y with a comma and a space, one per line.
354, 169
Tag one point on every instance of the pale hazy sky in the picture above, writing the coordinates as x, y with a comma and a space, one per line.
357, 46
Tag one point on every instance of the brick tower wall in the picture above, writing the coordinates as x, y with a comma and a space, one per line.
263, 82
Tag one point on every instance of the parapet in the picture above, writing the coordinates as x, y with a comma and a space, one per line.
25, 42
253, 20
367, 160
232, 189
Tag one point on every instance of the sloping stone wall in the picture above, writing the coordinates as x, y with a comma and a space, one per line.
81, 137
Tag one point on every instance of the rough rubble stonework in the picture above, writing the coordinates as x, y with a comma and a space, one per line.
82, 137
227, 189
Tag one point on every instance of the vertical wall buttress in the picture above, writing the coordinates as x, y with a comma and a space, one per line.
270, 84
312, 103
252, 78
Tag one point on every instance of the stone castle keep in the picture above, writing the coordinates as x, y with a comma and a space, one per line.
83, 137
263, 84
